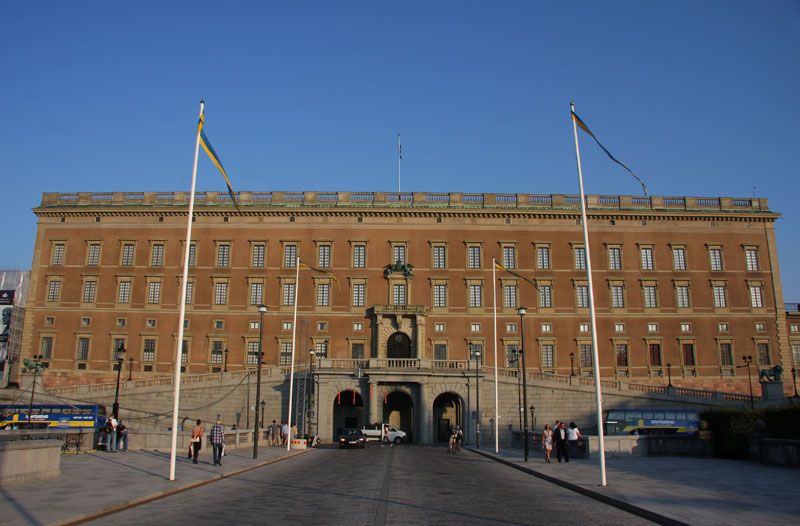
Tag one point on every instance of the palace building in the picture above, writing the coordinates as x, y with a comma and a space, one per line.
684, 287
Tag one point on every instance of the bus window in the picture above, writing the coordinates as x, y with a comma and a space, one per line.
658, 415
692, 416
669, 415
648, 415
634, 415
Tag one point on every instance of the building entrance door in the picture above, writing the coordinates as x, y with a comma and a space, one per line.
399, 346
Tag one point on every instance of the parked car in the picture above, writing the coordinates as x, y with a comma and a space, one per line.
352, 438
375, 432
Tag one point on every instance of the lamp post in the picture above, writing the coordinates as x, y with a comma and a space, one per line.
520, 407
522, 311
130, 368
533, 417
572, 364
263, 403
747, 361
477, 355
33, 365
794, 381
261, 310
310, 404
669, 374
225, 369
120, 360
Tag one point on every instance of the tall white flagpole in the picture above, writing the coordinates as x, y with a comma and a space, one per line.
399, 158
595, 356
496, 402
294, 334
182, 315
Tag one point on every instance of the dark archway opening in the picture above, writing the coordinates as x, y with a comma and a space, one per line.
348, 412
447, 413
399, 411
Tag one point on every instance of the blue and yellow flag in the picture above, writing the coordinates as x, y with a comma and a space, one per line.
582, 125
501, 267
322, 272
215, 159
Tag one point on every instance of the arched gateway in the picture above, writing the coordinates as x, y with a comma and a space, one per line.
399, 346
448, 411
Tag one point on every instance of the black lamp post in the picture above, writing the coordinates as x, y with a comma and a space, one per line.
261, 309
520, 407
572, 364
522, 311
130, 368
533, 417
794, 381
747, 361
120, 360
669, 374
225, 369
34, 365
310, 401
263, 403
477, 355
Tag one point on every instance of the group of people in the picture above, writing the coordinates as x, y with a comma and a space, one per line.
565, 440
216, 438
278, 434
456, 440
114, 436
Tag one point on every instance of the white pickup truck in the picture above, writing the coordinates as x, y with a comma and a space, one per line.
375, 432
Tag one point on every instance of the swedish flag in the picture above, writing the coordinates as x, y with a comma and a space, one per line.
215, 159
501, 267
321, 272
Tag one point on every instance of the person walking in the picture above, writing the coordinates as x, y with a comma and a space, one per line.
284, 433
197, 438
547, 442
122, 437
573, 434
274, 432
560, 439
217, 439
112, 435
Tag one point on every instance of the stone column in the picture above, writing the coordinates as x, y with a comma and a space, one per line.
374, 414
423, 436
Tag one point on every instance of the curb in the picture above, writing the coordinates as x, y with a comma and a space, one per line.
605, 499
115, 508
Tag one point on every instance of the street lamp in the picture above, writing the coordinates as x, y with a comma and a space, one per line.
520, 407
34, 365
262, 309
669, 373
120, 360
263, 403
225, 369
310, 401
794, 381
522, 311
130, 368
477, 355
572, 364
747, 361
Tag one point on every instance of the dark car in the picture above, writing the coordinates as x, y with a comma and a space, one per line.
352, 438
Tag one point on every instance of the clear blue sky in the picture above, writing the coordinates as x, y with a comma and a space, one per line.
697, 97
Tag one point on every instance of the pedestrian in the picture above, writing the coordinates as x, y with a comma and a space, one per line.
547, 442
386, 435
122, 437
284, 433
573, 434
274, 431
217, 439
197, 440
560, 439
112, 435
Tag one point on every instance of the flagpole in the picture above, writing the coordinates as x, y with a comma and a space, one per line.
496, 403
182, 315
595, 355
294, 334
399, 158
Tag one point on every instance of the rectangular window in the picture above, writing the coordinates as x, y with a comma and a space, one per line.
221, 294
621, 354
216, 352
287, 326
46, 349
475, 327
321, 349
399, 296
399, 253
617, 297
647, 258
476, 352
652, 327
440, 295
440, 351
543, 257
192, 255
89, 288
545, 297
223, 255
358, 294
655, 354
619, 327
440, 256
252, 353
286, 353
358, 351
189, 292
94, 254
763, 353
679, 258
185, 351
439, 327
256, 293
83, 349
54, 291
127, 254
720, 298
586, 355
755, 297
751, 258
686, 327
547, 356
288, 293
474, 257
725, 354
510, 296
149, 353
154, 292
157, 259
259, 251
512, 355
124, 295
582, 292
511, 327
289, 256
688, 354
796, 353
58, 254
580, 258
722, 327
358, 326
324, 256
715, 256
359, 256
510, 257
323, 295
683, 296
614, 258
584, 327
476, 295
650, 297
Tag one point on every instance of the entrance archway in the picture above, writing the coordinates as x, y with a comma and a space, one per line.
448, 411
399, 411
398, 346
348, 412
